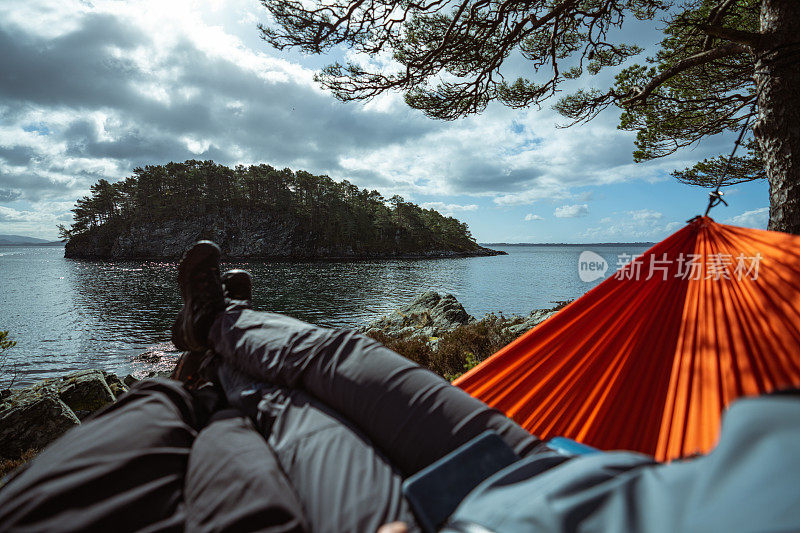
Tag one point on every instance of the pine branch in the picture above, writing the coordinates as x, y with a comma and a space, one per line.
750, 39
684, 65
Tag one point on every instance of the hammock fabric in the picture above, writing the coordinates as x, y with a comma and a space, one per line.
650, 364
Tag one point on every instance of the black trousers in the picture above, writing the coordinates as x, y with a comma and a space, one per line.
327, 425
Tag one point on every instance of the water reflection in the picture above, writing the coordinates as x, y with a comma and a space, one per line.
347, 293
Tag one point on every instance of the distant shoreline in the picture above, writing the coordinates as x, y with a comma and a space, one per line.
54, 243
226, 258
584, 245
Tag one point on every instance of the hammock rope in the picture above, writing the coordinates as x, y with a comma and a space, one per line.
715, 196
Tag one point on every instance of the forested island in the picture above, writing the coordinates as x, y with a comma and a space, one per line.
255, 212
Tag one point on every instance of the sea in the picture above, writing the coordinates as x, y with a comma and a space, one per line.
67, 314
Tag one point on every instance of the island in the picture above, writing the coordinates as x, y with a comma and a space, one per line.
255, 212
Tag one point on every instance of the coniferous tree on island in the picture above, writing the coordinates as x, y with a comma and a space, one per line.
720, 62
313, 216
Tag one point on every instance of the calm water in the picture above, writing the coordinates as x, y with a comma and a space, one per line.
68, 314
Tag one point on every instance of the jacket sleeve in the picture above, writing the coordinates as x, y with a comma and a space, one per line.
748, 483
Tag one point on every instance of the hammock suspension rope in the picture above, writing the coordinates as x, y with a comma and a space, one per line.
715, 196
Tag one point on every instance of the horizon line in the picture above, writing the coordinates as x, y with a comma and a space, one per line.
640, 243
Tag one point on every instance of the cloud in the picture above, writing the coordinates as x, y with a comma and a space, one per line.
673, 226
572, 211
38, 221
7, 195
50, 212
637, 225
8, 214
531, 216
113, 91
448, 209
757, 218
91, 90
645, 216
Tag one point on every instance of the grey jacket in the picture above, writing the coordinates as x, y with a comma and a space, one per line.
750, 482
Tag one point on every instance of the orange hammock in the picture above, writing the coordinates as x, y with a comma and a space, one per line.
650, 364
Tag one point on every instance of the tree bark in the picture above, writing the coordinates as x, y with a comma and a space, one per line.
777, 77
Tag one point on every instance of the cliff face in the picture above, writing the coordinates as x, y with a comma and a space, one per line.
241, 235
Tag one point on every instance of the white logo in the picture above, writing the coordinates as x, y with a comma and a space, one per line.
591, 266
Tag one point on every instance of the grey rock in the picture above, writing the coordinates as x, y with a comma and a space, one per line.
129, 380
31, 419
429, 315
117, 386
239, 234
164, 374
85, 391
534, 319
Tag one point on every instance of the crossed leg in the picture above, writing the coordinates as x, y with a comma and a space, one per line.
412, 415
348, 419
144, 464
235, 483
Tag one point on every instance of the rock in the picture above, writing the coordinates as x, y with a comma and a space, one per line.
32, 418
151, 357
115, 384
85, 391
444, 312
534, 319
129, 380
431, 315
428, 315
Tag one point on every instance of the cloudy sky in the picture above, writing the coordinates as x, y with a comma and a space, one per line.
92, 89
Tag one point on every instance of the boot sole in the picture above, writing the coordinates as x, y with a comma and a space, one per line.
197, 254
201, 252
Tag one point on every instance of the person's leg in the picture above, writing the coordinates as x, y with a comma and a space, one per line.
235, 483
413, 415
120, 470
342, 480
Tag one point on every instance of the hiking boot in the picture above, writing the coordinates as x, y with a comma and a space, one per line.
203, 300
188, 368
238, 285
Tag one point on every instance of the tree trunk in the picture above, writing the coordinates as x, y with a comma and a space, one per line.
778, 127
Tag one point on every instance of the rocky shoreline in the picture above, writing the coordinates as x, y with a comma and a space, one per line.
436, 332
34, 416
431, 315
258, 236
433, 330
433, 254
